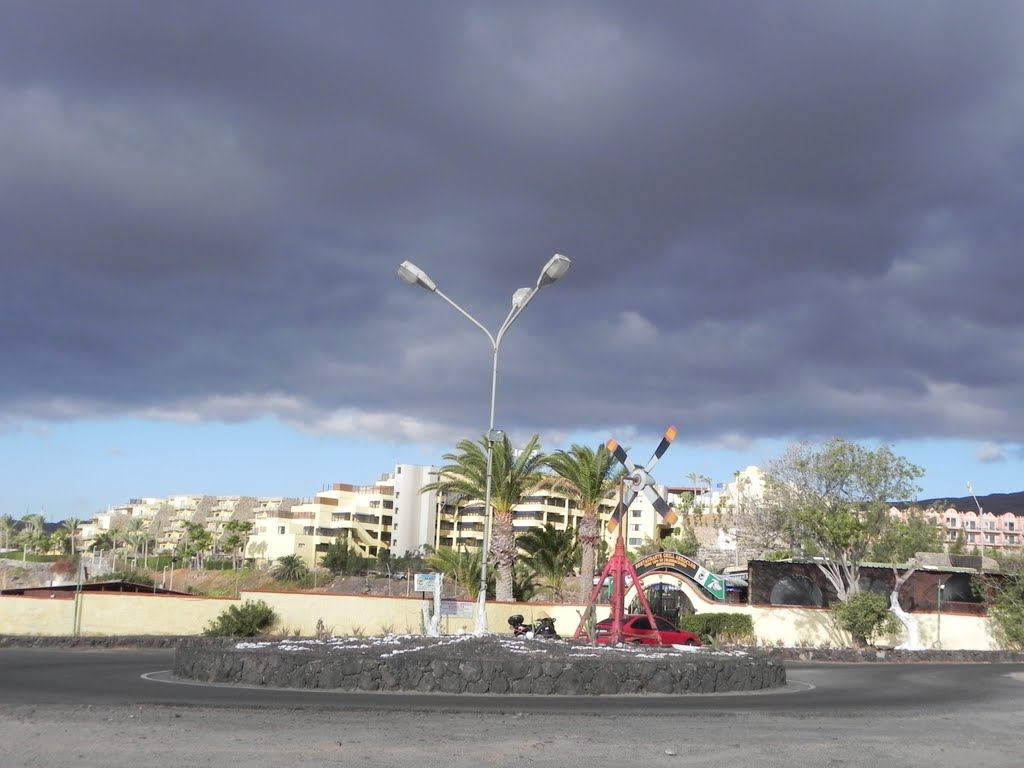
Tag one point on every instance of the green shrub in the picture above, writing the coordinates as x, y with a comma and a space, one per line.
719, 627
218, 565
246, 620
865, 616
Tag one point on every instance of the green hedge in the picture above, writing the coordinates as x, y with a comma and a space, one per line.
719, 627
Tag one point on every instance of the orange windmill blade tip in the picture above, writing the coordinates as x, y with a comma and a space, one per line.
611, 445
670, 434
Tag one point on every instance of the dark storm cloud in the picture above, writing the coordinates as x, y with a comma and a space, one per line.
785, 220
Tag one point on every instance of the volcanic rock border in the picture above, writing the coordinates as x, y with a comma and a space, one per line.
475, 665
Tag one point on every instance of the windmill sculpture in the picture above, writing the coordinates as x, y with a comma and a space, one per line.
637, 480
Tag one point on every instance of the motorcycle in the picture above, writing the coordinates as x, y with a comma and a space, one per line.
544, 628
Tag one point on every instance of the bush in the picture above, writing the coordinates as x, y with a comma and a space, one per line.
246, 620
1006, 604
865, 616
719, 627
218, 565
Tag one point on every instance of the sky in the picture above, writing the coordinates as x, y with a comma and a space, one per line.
787, 221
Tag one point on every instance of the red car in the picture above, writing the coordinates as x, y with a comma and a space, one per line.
637, 629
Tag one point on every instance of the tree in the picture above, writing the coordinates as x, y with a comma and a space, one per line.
551, 554
8, 527
33, 532
684, 542
195, 542
460, 566
341, 558
289, 568
238, 533
514, 475
586, 476
834, 499
135, 534
59, 541
103, 542
1006, 603
71, 525
899, 544
865, 615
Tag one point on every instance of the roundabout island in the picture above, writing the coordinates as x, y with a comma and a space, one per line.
468, 664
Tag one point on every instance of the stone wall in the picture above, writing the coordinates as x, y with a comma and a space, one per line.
470, 665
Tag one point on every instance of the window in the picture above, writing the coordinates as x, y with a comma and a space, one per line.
636, 527
280, 529
951, 522
990, 538
636, 513
635, 542
1009, 526
972, 525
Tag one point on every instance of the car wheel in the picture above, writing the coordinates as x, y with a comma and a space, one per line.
689, 642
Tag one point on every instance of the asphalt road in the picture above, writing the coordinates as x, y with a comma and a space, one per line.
107, 706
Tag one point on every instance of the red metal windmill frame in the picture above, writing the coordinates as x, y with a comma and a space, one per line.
619, 565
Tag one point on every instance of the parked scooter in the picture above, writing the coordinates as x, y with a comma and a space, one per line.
545, 627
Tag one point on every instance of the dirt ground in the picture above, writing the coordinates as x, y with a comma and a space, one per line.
218, 583
159, 736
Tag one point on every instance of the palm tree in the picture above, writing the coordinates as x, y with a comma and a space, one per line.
513, 476
238, 536
587, 477
103, 542
462, 567
552, 554
71, 525
135, 534
8, 527
33, 532
289, 568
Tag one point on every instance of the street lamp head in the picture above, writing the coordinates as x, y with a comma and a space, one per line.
413, 275
520, 297
557, 266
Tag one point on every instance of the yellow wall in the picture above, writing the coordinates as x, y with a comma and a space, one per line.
103, 614
36, 616
111, 613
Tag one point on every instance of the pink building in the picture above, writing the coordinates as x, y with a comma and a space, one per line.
1003, 532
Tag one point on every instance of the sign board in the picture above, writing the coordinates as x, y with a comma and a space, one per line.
711, 582
425, 582
455, 609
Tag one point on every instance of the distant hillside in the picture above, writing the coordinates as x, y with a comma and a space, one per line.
996, 503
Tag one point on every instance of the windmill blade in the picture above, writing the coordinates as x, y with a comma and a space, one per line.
619, 453
620, 509
666, 441
668, 515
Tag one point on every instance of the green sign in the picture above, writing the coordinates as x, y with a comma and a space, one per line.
713, 583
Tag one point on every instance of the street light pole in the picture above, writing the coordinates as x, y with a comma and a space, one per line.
970, 490
555, 268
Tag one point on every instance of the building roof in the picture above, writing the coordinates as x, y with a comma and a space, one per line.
118, 585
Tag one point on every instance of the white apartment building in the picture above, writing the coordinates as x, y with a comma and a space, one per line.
392, 514
415, 512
